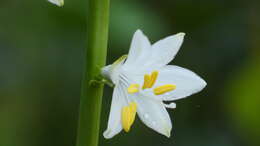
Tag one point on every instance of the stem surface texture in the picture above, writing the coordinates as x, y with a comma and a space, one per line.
95, 58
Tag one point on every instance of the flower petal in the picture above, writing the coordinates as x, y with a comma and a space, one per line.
112, 71
114, 122
139, 49
154, 115
186, 82
164, 51
57, 2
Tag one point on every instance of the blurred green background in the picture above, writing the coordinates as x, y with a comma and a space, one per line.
41, 59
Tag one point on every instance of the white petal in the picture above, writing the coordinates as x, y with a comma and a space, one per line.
114, 122
154, 115
186, 82
106, 71
165, 50
112, 71
139, 49
57, 2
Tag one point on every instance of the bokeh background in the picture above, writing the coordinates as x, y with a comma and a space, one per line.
41, 60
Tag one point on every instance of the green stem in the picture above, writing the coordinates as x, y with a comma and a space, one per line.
91, 94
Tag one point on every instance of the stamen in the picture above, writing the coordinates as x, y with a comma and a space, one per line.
125, 118
128, 116
147, 79
133, 108
163, 89
153, 78
133, 88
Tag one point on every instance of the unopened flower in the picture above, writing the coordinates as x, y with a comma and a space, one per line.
143, 80
59, 3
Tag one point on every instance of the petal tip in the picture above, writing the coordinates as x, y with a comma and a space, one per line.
203, 83
138, 32
107, 134
168, 133
59, 3
181, 34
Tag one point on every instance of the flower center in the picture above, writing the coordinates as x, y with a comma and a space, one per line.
149, 81
128, 115
129, 112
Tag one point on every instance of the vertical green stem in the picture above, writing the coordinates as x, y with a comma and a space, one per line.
96, 50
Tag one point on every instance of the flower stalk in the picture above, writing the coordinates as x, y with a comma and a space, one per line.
95, 57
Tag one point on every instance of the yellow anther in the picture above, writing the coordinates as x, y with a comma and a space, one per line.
133, 88
125, 118
153, 78
128, 116
133, 108
147, 79
163, 89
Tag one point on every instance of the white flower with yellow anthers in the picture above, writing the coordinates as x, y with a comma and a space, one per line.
59, 3
144, 80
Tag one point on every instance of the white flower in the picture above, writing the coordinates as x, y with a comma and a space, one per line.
144, 80
59, 3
